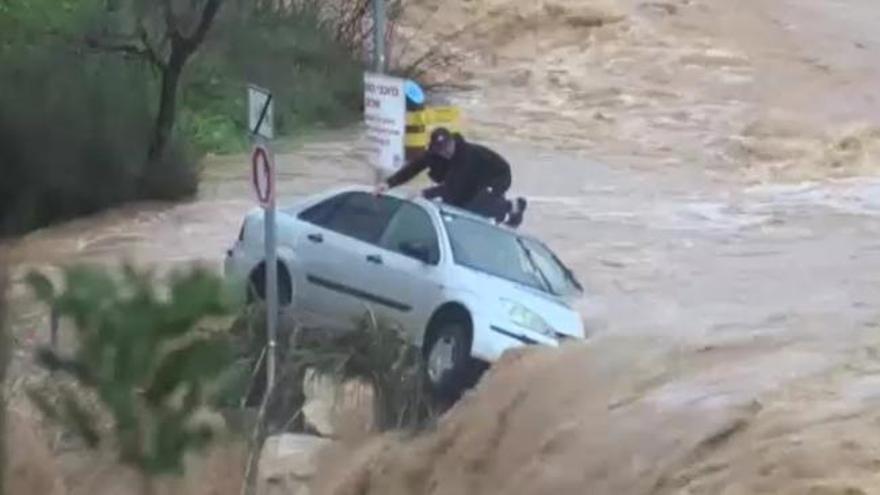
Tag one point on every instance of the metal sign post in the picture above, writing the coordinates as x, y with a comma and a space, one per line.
379, 35
260, 119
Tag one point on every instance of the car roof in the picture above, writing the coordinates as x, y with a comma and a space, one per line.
439, 207
431, 205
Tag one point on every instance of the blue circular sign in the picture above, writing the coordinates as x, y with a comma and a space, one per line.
414, 92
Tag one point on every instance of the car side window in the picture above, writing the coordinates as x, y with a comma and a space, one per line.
412, 228
319, 214
355, 214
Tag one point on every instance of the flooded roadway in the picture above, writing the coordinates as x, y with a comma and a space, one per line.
674, 254
671, 253
687, 245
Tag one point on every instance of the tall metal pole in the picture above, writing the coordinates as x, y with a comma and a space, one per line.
379, 35
378, 50
271, 285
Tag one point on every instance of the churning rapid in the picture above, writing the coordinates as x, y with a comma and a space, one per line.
779, 89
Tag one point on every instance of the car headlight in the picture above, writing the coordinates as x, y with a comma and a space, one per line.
526, 318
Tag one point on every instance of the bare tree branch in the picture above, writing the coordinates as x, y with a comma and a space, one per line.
212, 7
171, 22
151, 52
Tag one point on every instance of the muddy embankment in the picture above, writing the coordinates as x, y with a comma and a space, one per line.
637, 417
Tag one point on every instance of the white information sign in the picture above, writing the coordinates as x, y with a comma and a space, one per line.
385, 118
260, 112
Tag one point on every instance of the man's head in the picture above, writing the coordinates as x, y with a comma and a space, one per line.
442, 143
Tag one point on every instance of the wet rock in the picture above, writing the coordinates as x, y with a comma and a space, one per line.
332, 408
664, 8
288, 463
320, 392
612, 263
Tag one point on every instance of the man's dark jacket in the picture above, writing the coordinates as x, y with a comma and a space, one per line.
472, 169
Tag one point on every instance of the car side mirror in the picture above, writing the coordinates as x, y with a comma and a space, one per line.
416, 250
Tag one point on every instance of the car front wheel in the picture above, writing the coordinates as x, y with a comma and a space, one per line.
256, 290
449, 365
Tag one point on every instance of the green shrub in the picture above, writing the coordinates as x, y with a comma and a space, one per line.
315, 80
147, 362
74, 133
75, 122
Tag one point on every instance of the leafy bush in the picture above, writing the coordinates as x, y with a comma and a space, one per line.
149, 362
74, 133
315, 80
76, 122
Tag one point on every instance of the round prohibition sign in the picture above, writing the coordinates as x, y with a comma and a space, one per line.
264, 185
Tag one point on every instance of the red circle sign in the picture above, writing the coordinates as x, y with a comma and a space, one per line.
262, 176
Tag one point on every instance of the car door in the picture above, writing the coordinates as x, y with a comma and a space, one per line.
404, 270
334, 245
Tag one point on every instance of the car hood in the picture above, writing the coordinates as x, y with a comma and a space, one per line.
557, 311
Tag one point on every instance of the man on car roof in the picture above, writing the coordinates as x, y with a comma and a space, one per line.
468, 175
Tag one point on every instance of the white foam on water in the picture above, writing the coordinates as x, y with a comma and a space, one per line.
855, 196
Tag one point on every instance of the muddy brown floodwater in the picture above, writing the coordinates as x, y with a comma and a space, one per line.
707, 168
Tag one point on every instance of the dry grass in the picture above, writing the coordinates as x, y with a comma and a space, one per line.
375, 353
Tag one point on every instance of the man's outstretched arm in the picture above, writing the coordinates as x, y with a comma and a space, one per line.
408, 171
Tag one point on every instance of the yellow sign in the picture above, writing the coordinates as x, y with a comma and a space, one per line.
420, 124
448, 117
416, 134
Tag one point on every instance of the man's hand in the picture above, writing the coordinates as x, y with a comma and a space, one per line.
380, 188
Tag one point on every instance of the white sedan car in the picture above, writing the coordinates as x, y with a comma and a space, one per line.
464, 289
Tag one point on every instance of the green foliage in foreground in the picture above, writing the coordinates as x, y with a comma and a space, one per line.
144, 363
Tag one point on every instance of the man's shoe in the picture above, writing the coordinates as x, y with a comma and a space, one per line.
515, 218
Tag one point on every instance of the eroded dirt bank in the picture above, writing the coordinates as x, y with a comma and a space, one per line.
634, 417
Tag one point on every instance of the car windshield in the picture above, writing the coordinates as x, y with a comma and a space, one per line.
483, 247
